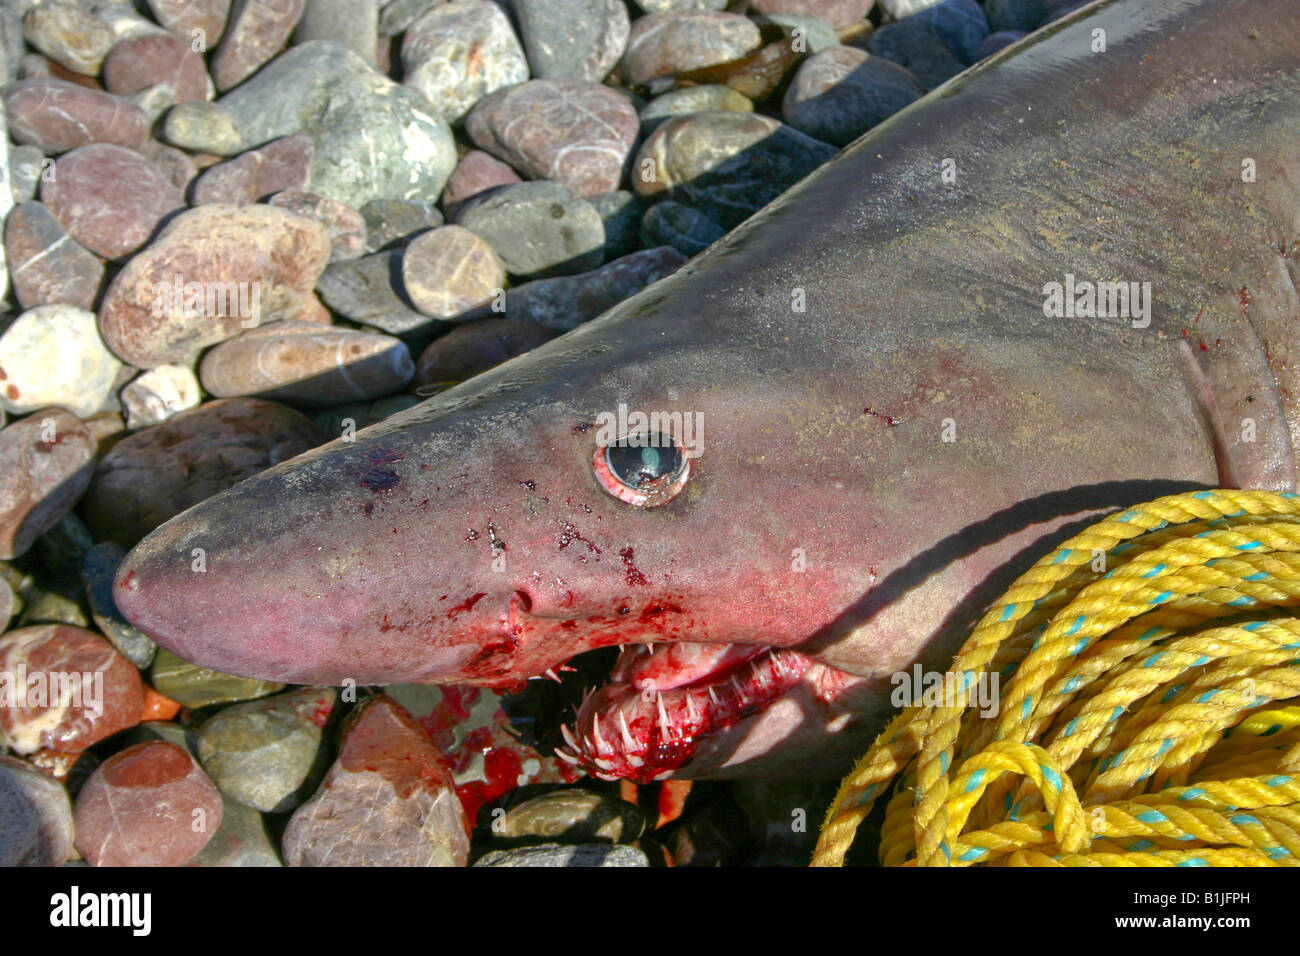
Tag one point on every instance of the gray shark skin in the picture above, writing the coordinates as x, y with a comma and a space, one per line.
874, 466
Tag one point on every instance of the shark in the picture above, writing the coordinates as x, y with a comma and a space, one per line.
1060, 284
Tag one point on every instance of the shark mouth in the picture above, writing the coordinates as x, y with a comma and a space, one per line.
659, 704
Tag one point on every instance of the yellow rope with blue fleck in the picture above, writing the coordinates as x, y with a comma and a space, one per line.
1149, 712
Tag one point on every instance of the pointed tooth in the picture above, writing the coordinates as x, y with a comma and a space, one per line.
712, 696
601, 745
566, 756
550, 672
691, 713
736, 684
628, 741
758, 675
570, 739
606, 776
604, 764
663, 715
566, 669
651, 648
635, 761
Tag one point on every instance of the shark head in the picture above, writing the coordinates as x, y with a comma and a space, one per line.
807, 460
589, 494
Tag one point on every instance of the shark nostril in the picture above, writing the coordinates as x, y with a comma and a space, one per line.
523, 601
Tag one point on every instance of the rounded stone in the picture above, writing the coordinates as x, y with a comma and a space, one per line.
475, 347
202, 127
918, 48
687, 230
394, 222
578, 38
388, 800
449, 270
149, 805
158, 394
538, 228
261, 753
661, 45
838, 13
241, 840
144, 61
281, 164
65, 31
158, 472
303, 363
839, 94
574, 816
58, 116
813, 32
192, 686
726, 165
185, 17
110, 199
46, 264
565, 302
366, 290
1015, 14
46, 461
477, 172
345, 226
572, 132
961, 24
212, 272
457, 53
98, 569
375, 139
69, 689
621, 212
176, 165
256, 30
693, 99
680, 6
555, 854
26, 166
36, 826
350, 23
53, 355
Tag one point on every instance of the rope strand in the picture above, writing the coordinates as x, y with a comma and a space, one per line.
1149, 713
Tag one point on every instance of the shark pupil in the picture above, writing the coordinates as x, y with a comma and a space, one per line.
637, 460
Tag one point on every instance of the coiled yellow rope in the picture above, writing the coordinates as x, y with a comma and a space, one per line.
1149, 707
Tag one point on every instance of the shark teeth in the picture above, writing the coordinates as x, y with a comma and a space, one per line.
602, 746
628, 740
570, 739
649, 739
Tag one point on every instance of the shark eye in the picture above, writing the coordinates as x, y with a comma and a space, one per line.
643, 470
